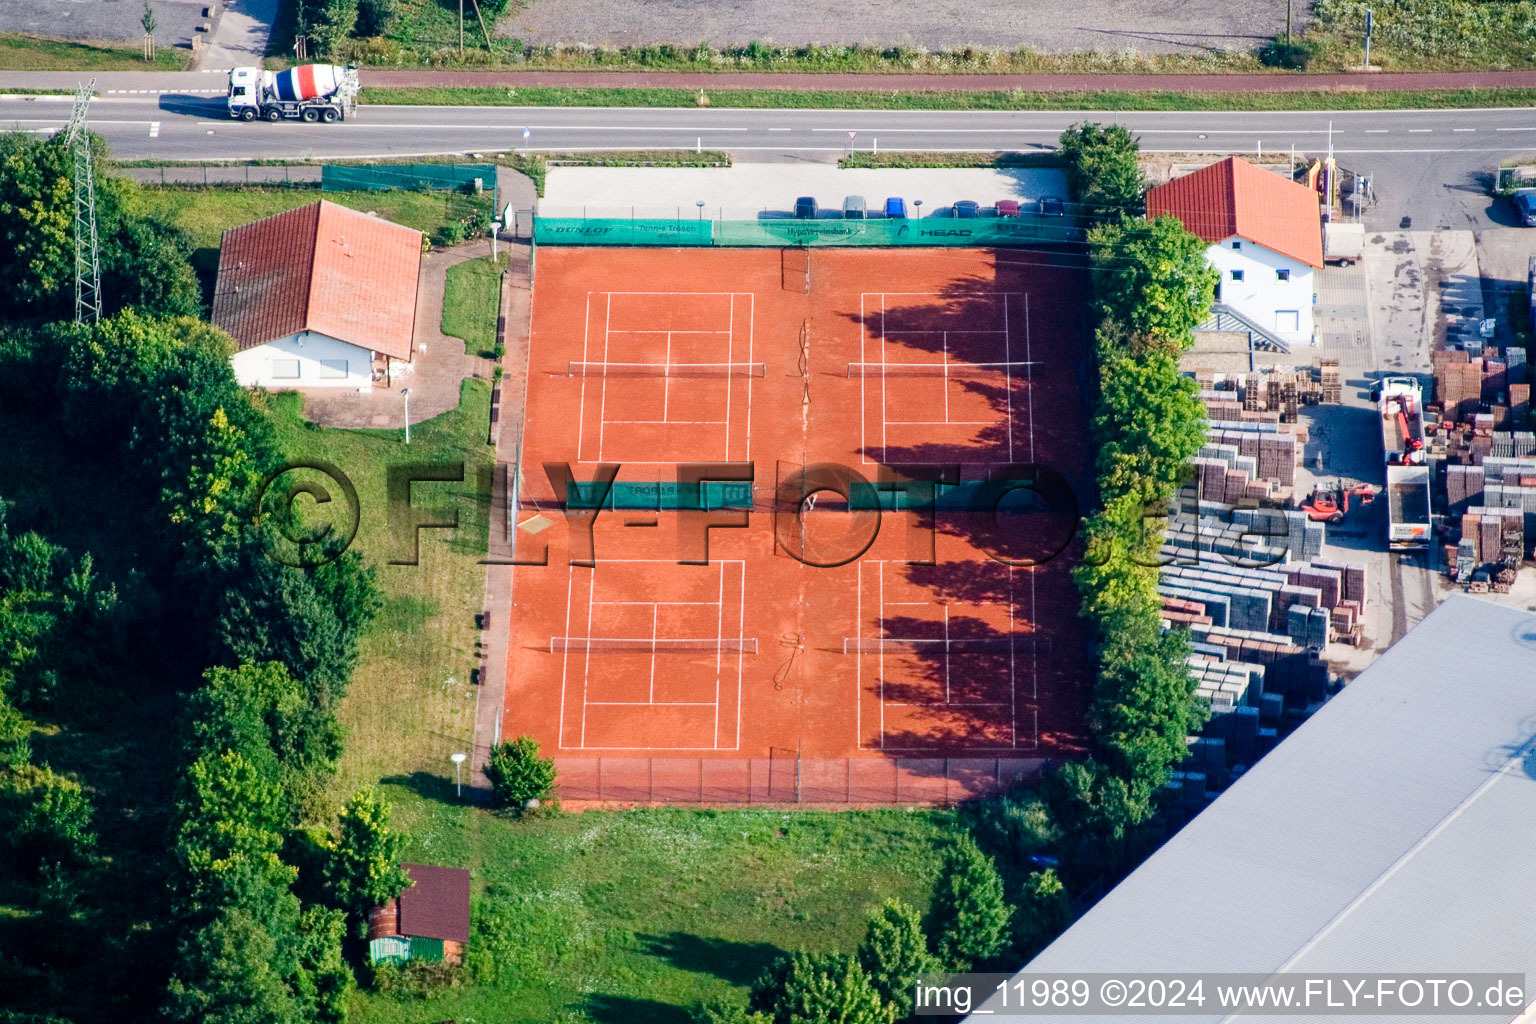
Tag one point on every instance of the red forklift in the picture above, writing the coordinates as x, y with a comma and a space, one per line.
1332, 504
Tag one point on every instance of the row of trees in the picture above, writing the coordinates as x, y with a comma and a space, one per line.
970, 925
1152, 286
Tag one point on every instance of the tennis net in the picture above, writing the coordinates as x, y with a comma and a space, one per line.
940, 369
926, 646
652, 645
594, 369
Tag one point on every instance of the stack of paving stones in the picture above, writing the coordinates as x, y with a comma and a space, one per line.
1485, 451
1250, 584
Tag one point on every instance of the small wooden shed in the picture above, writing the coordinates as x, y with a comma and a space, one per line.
428, 921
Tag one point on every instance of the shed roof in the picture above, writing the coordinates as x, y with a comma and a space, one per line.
436, 906
1389, 833
322, 268
1235, 198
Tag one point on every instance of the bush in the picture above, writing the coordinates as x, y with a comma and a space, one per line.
968, 922
830, 988
376, 17
1292, 55
449, 235
56, 828
518, 774
894, 953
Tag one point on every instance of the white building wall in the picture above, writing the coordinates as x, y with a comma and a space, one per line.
318, 360
1261, 296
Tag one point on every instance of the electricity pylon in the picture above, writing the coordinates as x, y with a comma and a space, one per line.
87, 258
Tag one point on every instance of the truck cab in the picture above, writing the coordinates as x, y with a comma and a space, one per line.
245, 93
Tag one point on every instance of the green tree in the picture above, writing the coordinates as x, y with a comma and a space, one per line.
725, 1011
377, 17
15, 735
829, 988
1152, 276
323, 982
1149, 421
144, 263
894, 953
1104, 168
1044, 911
335, 20
968, 921
56, 826
234, 970
364, 864
518, 774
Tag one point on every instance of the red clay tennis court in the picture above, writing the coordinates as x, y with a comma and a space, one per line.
909, 663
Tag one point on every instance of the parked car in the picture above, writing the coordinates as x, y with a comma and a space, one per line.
1050, 206
1007, 207
896, 208
805, 208
1525, 206
853, 208
966, 208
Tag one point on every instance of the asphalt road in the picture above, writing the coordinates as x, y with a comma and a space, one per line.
1429, 165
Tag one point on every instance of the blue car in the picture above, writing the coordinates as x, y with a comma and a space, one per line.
896, 208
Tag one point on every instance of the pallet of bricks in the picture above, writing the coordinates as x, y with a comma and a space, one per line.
1495, 384
1248, 456
1283, 392
1490, 550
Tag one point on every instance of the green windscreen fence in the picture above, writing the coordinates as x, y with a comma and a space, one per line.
416, 177
786, 232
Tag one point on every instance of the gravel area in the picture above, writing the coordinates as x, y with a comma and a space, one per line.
115, 20
1148, 26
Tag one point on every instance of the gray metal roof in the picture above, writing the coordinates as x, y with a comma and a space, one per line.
1395, 831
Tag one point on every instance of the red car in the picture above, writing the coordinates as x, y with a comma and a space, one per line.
1007, 207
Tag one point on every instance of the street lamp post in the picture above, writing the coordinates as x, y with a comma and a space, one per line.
919, 204
458, 764
700, 204
495, 230
405, 393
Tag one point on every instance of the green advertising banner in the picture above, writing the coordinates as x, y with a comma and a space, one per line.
787, 232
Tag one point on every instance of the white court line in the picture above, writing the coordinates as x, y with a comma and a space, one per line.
655, 614
730, 356
565, 657
602, 408
709, 604
720, 632
694, 423
858, 634
1008, 358
581, 420
943, 423
651, 704
666, 382
1029, 385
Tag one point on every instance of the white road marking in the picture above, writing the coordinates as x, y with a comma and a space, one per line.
154, 129
1463, 129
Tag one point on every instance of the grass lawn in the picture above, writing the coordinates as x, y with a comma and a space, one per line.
630, 917
471, 303
555, 96
207, 212
35, 53
411, 702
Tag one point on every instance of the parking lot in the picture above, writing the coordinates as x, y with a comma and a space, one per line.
753, 191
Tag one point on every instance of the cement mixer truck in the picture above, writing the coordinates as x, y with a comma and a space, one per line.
309, 92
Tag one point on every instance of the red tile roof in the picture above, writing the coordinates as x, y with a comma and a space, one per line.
436, 906
321, 268
1234, 197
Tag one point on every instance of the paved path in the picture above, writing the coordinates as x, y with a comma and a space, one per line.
240, 36
496, 627
192, 81
1278, 82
